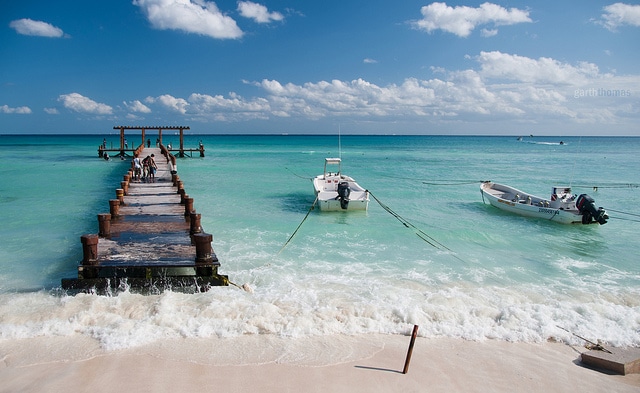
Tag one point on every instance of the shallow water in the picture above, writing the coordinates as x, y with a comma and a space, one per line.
486, 274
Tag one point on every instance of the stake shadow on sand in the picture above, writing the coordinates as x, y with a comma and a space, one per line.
379, 369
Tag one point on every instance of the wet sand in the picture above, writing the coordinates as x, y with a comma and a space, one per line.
371, 363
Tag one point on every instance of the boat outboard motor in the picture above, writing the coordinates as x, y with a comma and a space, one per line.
343, 194
587, 208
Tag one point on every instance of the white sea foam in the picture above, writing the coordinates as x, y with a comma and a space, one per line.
505, 277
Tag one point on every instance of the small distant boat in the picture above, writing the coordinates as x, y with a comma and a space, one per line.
562, 206
336, 191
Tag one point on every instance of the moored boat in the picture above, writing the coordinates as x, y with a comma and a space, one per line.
562, 206
336, 191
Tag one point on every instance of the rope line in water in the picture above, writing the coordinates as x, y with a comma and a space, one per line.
299, 225
296, 175
621, 212
612, 185
421, 234
453, 183
623, 219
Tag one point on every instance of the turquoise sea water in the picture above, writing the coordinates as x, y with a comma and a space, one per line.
495, 275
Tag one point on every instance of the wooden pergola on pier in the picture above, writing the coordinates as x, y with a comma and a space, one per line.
124, 148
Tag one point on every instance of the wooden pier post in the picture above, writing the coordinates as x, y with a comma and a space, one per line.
195, 226
120, 195
203, 247
89, 249
181, 153
188, 205
125, 186
114, 207
104, 225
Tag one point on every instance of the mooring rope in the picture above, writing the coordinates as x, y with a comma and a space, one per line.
612, 185
452, 182
433, 182
593, 346
622, 218
621, 212
421, 234
296, 175
303, 220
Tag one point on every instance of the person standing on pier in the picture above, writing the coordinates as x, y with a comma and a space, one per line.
126, 145
137, 167
145, 167
152, 167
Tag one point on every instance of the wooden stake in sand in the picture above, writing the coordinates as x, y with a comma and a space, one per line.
413, 340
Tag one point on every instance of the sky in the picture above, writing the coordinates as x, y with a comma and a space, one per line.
559, 68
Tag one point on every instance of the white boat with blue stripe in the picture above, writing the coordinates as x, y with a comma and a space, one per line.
562, 206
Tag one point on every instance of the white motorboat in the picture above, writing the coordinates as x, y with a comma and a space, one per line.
335, 191
562, 206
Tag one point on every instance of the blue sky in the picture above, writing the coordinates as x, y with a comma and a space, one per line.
367, 66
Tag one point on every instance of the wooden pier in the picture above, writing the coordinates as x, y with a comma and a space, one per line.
151, 239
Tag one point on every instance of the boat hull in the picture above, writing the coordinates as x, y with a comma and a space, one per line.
518, 202
335, 205
328, 199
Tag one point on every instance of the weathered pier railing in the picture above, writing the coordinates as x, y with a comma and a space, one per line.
151, 239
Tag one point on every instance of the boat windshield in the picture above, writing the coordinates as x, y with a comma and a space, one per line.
332, 165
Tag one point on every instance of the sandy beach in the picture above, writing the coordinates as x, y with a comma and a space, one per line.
370, 363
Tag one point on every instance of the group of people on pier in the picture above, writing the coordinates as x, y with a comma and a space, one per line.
144, 169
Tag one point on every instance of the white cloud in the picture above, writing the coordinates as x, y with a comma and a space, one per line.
462, 20
488, 32
499, 87
204, 102
355, 98
51, 111
21, 110
258, 12
192, 16
543, 70
36, 28
170, 102
137, 106
369, 61
82, 104
619, 14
